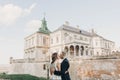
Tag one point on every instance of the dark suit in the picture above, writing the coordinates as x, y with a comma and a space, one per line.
64, 67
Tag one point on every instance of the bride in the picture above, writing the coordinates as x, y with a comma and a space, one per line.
55, 65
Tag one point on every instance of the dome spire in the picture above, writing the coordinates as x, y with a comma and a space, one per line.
44, 14
43, 28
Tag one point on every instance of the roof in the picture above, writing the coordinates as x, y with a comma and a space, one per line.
73, 29
96, 35
80, 31
43, 28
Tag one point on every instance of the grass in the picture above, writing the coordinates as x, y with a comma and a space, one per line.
20, 77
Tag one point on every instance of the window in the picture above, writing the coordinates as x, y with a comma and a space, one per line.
96, 43
44, 67
51, 41
26, 42
39, 39
44, 40
57, 40
97, 53
70, 38
91, 53
44, 51
86, 52
32, 40
32, 51
108, 45
29, 42
65, 34
80, 31
86, 39
75, 36
105, 45
81, 38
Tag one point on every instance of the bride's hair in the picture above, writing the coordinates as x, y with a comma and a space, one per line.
54, 57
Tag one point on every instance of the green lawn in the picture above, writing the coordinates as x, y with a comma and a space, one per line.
20, 77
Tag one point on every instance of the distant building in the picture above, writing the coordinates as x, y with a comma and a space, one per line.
76, 42
4, 68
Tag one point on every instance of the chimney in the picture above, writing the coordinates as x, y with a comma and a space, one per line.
66, 23
92, 31
78, 27
11, 59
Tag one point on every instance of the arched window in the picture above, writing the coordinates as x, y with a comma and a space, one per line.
82, 50
66, 49
113, 52
77, 50
86, 52
71, 50
65, 34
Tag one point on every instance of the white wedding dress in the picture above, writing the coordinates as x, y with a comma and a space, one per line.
54, 65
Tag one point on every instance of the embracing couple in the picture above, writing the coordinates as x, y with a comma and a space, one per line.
59, 67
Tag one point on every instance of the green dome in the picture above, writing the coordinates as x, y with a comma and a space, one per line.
43, 28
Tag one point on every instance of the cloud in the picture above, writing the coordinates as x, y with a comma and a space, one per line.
32, 26
10, 13
27, 11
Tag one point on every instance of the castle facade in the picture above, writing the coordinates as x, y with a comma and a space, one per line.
77, 43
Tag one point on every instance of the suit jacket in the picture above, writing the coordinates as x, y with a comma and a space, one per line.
64, 67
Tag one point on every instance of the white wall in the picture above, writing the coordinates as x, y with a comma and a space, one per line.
34, 45
35, 69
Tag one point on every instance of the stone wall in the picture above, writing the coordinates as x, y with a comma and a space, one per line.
105, 69
80, 69
36, 69
4, 68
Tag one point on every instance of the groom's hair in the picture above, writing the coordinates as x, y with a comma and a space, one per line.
64, 54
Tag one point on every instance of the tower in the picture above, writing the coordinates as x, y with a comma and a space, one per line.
37, 44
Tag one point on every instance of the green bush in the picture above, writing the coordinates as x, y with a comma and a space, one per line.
20, 77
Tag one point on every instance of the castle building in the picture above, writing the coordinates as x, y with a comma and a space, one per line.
76, 42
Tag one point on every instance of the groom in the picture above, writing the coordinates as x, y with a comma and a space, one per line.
64, 68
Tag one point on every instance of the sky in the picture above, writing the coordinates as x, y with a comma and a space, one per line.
19, 18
